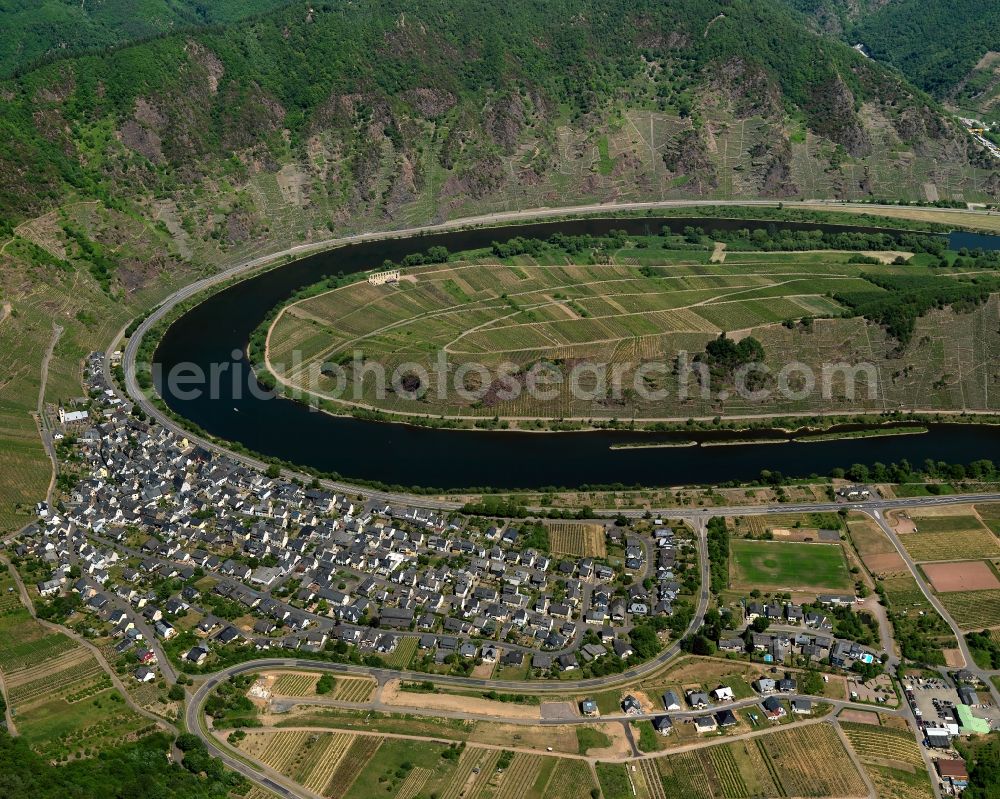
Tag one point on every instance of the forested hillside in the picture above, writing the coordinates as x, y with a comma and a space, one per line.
135, 770
466, 100
935, 43
39, 29
949, 48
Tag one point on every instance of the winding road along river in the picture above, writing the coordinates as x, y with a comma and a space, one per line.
216, 333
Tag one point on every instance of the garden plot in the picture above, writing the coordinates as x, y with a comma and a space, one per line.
577, 538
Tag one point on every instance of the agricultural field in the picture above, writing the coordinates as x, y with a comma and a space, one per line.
350, 689
614, 779
577, 538
883, 745
760, 523
294, 684
401, 656
990, 514
63, 701
783, 565
639, 305
570, 779
793, 757
892, 759
783, 763
326, 763
875, 549
904, 594
973, 610
946, 537
969, 575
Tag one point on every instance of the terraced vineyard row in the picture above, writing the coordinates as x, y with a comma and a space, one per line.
113, 730
21, 653
281, 749
520, 776
802, 773
413, 784
317, 767
72, 684
361, 750
727, 772
881, 743
353, 690
70, 658
683, 775
472, 758
654, 784
973, 610
295, 684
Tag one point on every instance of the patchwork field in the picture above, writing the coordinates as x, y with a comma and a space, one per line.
345, 689
63, 701
783, 763
781, 565
631, 306
343, 764
892, 759
990, 514
874, 547
577, 538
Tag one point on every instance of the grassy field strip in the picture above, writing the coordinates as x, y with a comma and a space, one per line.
787, 565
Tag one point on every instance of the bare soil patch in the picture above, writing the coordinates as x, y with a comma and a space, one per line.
962, 576
392, 695
860, 716
953, 658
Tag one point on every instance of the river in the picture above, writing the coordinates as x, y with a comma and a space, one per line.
399, 454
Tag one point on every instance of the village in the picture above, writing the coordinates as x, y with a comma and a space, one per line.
158, 531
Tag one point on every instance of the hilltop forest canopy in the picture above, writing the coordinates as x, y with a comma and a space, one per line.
189, 98
934, 43
139, 769
36, 30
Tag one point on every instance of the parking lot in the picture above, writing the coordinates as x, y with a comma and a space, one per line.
935, 698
